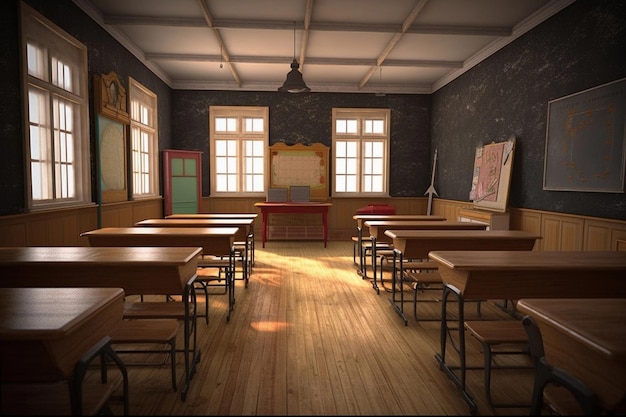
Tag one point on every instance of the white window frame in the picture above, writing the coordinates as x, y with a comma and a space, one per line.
360, 173
56, 139
144, 140
241, 170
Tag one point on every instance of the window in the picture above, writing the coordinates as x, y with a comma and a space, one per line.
144, 142
361, 151
56, 98
238, 139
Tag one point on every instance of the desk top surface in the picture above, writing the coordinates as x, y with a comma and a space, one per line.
213, 216
530, 260
98, 255
419, 224
596, 323
422, 217
197, 222
163, 231
459, 234
46, 313
293, 204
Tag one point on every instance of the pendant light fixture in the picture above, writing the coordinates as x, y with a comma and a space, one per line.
294, 82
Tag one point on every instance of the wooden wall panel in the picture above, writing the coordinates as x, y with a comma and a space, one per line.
602, 235
13, 234
63, 227
529, 222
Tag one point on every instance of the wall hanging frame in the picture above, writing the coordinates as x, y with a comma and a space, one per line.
585, 140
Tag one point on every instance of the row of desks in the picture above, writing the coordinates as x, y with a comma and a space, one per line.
136, 260
539, 274
377, 229
578, 298
417, 244
135, 270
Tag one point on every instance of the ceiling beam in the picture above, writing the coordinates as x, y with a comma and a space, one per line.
394, 41
208, 18
308, 26
313, 61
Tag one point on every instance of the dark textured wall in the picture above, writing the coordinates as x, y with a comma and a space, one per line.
12, 155
307, 118
105, 54
581, 47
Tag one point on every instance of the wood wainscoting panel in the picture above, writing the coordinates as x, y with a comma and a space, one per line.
603, 234
562, 232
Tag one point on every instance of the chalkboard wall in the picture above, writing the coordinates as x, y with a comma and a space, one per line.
307, 118
581, 47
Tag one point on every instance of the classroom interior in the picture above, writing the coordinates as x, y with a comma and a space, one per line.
504, 97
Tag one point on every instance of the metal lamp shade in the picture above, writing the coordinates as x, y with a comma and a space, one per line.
294, 82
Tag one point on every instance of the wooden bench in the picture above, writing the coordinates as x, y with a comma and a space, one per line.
144, 331
206, 276
499, 333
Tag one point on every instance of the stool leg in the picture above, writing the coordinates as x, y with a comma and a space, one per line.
173, 361
487, 353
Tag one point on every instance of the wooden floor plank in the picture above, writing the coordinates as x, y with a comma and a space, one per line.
309, 336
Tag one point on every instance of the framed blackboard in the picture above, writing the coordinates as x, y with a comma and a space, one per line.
585, 140
491, 177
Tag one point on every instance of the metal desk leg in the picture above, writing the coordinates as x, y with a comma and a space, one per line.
189, 298
397, 257
374, 271
460, 349
230, 279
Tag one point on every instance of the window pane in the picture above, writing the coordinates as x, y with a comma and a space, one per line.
361, 163
340, 166
351, 166
352, 149
36, 61
238, 143
378, 127
253, 124
57, 148
340, 149
351, 184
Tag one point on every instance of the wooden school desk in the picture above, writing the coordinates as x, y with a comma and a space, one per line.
252, 216
587, 339
416, 244
217, 241
377, 230
138, 270
44, 333
293, 208
483, 274
362, 218
245, 233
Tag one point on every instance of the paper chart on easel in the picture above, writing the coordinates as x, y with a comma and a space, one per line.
492, 175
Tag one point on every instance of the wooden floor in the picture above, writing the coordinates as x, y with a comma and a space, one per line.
309, 336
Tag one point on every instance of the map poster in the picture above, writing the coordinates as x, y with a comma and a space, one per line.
585, 137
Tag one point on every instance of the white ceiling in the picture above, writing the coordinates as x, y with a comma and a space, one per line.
379, 46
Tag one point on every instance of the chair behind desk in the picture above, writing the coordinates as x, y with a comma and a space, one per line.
580, 396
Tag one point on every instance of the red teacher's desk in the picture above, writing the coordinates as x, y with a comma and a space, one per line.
291, 208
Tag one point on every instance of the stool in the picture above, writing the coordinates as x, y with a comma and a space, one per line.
148, 331
491, 333
205, 275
